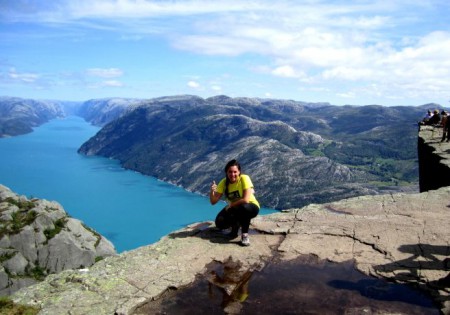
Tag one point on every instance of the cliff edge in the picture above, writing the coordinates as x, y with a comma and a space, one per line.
38, 238
400, 237
434, 159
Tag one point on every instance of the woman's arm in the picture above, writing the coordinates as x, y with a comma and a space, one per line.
245, 199
214, 196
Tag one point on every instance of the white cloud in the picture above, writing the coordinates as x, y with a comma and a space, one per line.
109, 74
104, 72
346, 95
348, 73
216, 88
106, 84
286, 72
139, 8
193, 84
217, 45
25, 77
112, 83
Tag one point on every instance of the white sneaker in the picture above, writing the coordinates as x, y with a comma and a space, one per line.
245, 241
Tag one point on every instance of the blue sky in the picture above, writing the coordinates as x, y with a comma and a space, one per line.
342, 52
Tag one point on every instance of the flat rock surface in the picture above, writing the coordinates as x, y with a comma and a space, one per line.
402, 237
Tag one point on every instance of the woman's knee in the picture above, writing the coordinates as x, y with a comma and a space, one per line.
251, 210
222, 222
224, 219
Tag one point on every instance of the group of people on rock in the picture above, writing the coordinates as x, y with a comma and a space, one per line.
432, 118
437, 119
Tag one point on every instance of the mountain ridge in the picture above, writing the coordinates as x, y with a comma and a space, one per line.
372, 148
325, 152
19, 116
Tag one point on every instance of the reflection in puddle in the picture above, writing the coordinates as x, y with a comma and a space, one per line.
302, 286
233, 281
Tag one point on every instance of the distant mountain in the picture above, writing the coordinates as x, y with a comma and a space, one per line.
296, 153
19, 116
101, 111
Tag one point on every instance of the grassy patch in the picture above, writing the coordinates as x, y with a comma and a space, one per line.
6, 256
99, 258
38, 273
59, 225
19, 219
97, 235
8, 307
23, 217
23, 205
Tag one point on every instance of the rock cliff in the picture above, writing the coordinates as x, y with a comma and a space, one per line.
102, 111
19, 116
434, 161
400, 237
38, 238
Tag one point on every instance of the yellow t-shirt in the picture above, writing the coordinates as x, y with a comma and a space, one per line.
236, 190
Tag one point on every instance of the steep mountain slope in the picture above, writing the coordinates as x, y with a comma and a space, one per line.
101, 111
296, 153
19, 116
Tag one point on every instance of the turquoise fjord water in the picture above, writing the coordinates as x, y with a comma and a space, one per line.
130, 209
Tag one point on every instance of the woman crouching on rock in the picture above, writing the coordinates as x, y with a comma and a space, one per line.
242, 204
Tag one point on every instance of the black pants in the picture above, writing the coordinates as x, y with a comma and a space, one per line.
445, 134
240, 216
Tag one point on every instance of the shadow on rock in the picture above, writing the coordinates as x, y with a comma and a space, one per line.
379, 290
206, 231
305, 285
423, 259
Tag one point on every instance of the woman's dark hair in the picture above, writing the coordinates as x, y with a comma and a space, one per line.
227, 181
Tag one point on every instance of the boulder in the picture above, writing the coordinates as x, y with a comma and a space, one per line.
39, 238
16, 265
25, 242
4, 279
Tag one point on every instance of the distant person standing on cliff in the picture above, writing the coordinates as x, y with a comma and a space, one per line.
426, 118
445, 123
242, 204
435, 120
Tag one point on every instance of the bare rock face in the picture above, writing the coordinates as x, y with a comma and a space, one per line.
434, 159
401, 237
38, 238
19, 116
101, 111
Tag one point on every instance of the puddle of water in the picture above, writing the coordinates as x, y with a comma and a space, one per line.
302, 286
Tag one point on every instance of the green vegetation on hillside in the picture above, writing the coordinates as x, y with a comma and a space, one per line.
8, 307
19, 219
